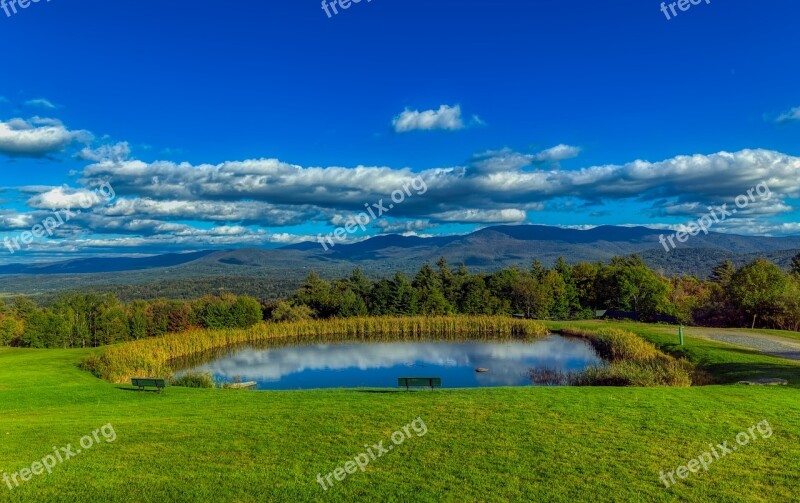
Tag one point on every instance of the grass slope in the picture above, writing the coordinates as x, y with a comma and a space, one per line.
501, 444
777, 333
727, 364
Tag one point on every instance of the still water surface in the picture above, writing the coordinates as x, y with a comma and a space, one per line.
379, 364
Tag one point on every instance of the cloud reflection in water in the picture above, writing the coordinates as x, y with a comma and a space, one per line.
378, 364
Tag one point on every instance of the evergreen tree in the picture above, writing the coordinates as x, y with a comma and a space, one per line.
429, 292
380, 298
433, 303
351, 304
427, 279
562, 298
501, 284
316, 294
537, 270
476, 298
568, 302
360, 284
448, 281
404, 296
723, 273
796, 265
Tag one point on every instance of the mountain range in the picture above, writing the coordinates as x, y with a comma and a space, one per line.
486, 250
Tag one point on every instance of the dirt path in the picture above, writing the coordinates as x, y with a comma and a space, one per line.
767, 344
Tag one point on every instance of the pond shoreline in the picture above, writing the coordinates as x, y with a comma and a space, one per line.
378, 364
153, 356
633, 361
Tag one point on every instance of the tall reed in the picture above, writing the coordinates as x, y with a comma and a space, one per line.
632, 361
153, 357
616, 345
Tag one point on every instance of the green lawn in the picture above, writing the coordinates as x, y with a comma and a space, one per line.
779, 333
501, 444
728, 364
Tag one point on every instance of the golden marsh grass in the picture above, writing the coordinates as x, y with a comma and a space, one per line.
154, 357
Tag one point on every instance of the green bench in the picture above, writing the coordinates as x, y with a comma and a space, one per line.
427, 382
149, 382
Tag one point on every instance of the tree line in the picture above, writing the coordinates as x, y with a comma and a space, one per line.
91, 319
756, 294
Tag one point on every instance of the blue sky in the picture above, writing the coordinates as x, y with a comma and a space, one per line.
230, 124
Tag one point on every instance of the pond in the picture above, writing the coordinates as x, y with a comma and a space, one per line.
379, 364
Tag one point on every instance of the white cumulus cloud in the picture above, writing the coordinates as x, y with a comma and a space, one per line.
558, 153
37, 137
446, 117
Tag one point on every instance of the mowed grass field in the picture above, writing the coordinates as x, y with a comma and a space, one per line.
499, 444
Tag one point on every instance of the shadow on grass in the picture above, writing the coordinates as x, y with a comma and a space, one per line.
686, 351
727, 373
733, 372
141, 390
380, 391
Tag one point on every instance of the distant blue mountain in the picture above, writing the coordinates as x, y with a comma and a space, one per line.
105, 264
487, 249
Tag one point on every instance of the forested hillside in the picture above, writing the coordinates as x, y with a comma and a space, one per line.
756, 294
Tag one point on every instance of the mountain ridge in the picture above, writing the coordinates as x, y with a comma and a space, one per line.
484, 250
